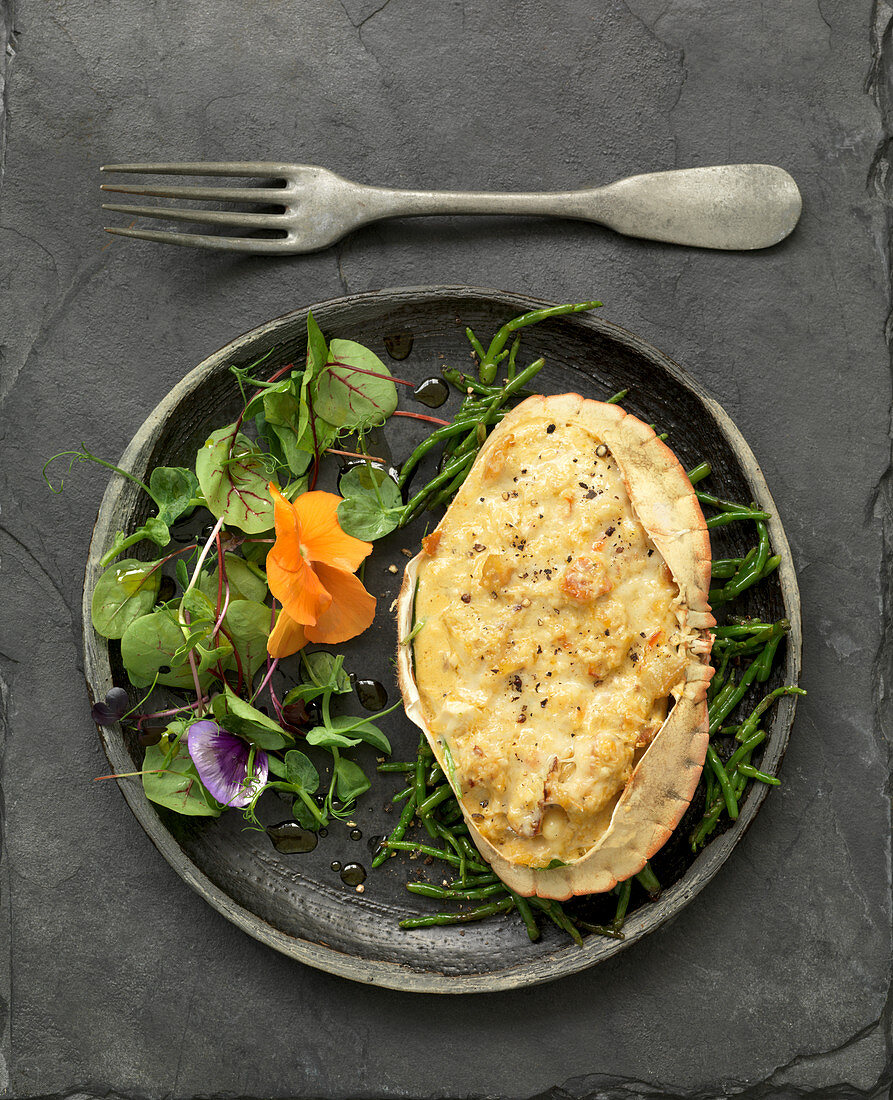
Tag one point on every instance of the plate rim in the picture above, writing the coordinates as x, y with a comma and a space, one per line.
565, 960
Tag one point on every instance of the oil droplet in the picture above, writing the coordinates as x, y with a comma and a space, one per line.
398, 344
353, 874
371, 694
433, 392
373, 844
289, 837
323, 832
356, 834
336, 866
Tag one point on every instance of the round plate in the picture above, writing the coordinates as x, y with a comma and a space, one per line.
296, 903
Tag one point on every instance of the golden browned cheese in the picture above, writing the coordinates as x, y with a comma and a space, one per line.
550, 641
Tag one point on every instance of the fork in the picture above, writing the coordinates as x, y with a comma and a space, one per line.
730, 206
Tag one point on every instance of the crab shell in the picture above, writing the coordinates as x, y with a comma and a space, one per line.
661, 785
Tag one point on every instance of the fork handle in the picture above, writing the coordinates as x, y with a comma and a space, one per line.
731, 206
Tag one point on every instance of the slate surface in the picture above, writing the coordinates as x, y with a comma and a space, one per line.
118, 980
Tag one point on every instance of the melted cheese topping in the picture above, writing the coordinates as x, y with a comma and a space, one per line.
549, 641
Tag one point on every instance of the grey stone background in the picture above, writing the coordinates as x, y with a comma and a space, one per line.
117, 979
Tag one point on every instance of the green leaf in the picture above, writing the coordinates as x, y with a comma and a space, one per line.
316, 439
300, 771
303, 816
244, 720
317, 352
350, 780
267, 433
277, 767
207, 656
372, 504
174, 489
326, 670
312, 439
257, 734
256, 550
281, 407
324, 674
282, 424
256, 404
350, 399
366, 731
346, 731
154, 642
126, 591
246, 580
248, 624
182, 573
156, 530
234, 479
326, 738
303, 693
198, 605
297, 460
178, 787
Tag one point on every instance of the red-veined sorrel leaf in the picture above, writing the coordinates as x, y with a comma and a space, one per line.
234, 479
355, 391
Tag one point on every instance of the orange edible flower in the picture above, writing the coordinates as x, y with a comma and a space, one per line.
310, 572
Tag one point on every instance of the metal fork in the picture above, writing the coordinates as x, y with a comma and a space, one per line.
730, 206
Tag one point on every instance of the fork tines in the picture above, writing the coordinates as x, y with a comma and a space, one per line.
249, 221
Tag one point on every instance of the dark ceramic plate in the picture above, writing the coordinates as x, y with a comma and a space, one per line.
296, 903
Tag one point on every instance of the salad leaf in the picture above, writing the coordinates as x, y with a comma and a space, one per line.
248, 624
324, 674
175, 490
303, 815
244, 720
325, 738
178, 786
365, 730
317, 352
350, 779
182, 573
355, 390
372, 504
256, 550
309, 439
316, 439
233, 478
206, 656
281, 407
199, 606
256, 404
247, 581
297, 460
300, 771
156, 530
335, 735
126, 591
326, 670
155, 644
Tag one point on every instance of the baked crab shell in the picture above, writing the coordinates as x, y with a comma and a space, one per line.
662, 783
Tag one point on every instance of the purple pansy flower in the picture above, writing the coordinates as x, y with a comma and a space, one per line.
221, 760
